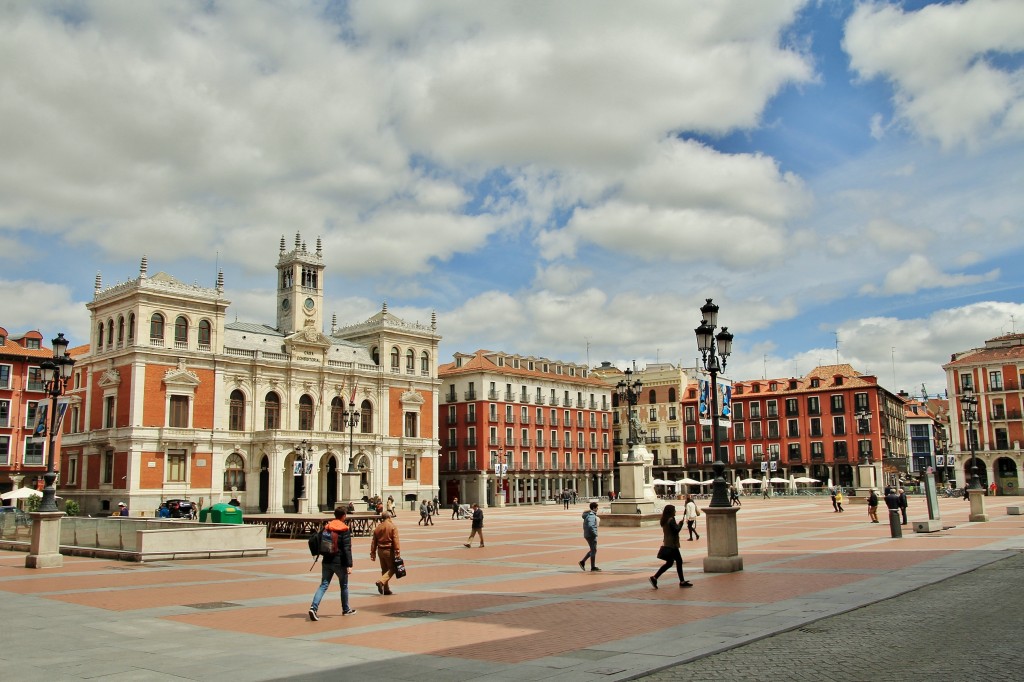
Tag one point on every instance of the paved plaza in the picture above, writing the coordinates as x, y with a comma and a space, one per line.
521, 609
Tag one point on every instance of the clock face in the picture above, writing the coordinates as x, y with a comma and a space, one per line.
284, 304
309, 304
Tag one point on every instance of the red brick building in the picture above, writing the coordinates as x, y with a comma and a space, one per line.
172, 400
995, 375
834, 423
22, 463
546, 423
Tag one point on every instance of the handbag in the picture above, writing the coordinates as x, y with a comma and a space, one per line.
399, 567
666, 553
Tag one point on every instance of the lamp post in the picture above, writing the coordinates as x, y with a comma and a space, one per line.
500, 470
969, 403
56, 373
628, 389
303, 451
351, 419
714, 350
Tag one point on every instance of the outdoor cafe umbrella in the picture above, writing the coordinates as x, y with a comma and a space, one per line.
687, 481
750, 481
21, 494
776, 479
805, 479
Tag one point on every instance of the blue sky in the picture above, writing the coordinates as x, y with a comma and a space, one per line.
568, 180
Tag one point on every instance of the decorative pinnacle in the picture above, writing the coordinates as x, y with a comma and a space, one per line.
98, 284
143, 267
282, 243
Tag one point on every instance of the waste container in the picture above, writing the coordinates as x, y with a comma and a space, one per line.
221, 513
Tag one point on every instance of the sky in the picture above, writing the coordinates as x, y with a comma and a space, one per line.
561, 179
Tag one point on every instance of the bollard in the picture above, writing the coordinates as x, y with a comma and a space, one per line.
895, 527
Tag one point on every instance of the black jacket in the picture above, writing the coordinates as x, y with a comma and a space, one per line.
343, 557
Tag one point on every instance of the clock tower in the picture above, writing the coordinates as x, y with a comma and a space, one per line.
300, 292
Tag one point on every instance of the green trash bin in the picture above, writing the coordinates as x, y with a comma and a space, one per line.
221, 513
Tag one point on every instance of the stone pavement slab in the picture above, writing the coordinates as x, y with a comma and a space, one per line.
519, 608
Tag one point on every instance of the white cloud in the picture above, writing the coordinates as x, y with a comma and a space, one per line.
45, 307
917, 273
941, 61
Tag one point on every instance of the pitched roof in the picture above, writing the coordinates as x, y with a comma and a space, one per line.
480, 361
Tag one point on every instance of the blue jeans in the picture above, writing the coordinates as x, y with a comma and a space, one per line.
592, 554
327, 571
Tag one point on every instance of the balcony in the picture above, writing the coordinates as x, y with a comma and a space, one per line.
524, 419
450, 398
471, 417
540, 400
470, 395
540, 420
526, 441
470, 442
493, 417
509, 397
452, 419
510, 441
673, 439
653, 439
494, 442
492, 395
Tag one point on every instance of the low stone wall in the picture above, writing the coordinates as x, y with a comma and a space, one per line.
138, 539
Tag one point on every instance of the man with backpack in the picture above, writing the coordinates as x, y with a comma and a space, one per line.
335, 546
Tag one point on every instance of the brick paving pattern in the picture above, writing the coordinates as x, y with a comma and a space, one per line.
520, 608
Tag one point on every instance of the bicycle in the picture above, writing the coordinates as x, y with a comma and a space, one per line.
952, 492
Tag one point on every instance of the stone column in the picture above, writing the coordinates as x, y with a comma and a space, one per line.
977, 497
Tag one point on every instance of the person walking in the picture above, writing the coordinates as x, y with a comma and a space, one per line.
338, 563
835, 506
903, 504
839, 499
390, 506
477, 527
873, 506
424, 514
734, 496
455, 507
892, 501
690, 513
590, 535
669, 552
384, 546
565, 498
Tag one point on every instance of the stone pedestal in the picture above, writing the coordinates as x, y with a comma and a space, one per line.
866, 479
350, 488
928, 526
302, 505
44, 550
977, 505
631, 498
723, 543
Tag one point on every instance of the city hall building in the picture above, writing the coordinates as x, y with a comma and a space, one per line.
171, 400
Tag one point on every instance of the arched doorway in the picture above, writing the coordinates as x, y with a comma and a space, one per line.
332, 481
1007, 480
264, 485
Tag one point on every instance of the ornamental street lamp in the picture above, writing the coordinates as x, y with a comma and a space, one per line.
714, 351
350, 418
56, 373
969, 403
863, 418
628, 390
303, 449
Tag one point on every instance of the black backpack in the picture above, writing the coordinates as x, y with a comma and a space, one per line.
323, 543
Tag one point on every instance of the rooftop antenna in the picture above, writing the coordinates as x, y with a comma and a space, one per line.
892, 355
836, 334
588, 350
764, 366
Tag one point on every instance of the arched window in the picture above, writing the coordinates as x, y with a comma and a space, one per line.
181, 331
425, 363
375, 354
272, 411
204, 334
410, 361
131, 328
234, 472
236, 411
305, 413
672, 395
395, 366
110, 332
652, 397
99, 336
120, 330
156, 328
337, 415
366, 417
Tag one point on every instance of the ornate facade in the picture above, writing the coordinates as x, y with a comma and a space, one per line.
174, 401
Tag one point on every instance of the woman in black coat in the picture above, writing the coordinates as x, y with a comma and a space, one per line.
669, 552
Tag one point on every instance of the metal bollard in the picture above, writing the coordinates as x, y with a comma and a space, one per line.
895, 527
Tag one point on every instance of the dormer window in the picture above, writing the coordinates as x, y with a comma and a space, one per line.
815, 382
839, 380
773, 386
792, 384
